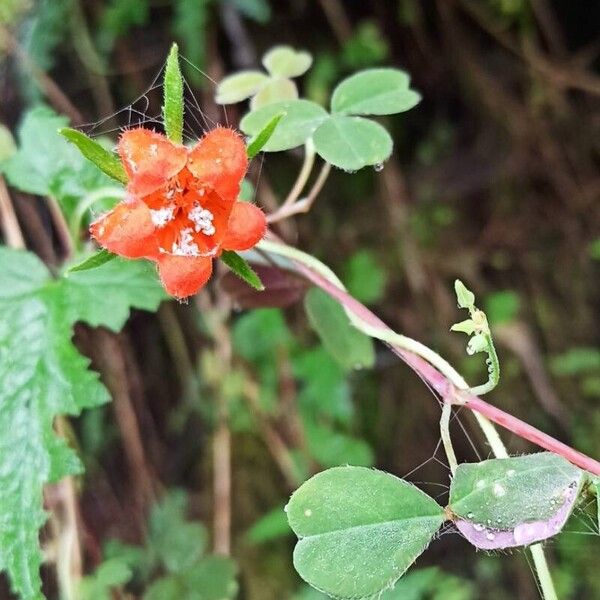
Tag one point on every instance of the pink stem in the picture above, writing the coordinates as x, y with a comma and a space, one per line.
441, 384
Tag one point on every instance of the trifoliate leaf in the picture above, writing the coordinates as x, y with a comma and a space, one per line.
275, 90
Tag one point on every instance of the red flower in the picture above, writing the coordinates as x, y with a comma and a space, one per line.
181, 208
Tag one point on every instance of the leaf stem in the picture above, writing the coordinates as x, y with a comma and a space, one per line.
303, 175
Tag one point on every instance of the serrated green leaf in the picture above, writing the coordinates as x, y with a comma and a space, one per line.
258, 141
178, 543
284, 61
275, 90
504, 498
239, 86
42, 375
47, 165
374, 92
104, 295
359, 530
106, 161
350, 347
301, 119
464, 297
93, 261
242, 269
351, 143
173, 97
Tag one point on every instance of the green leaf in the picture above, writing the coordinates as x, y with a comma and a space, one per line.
502, 307
465, 298
213, 578
350, 347
7, 143
104, 295
331, 448
106, 161
100, 585
239, 86
275, 90
301, 119
374, 92
179, 543
576, 361
284, 61
41, 376
351, 143
364, 277
47, 165
514, 501
191, 22
258, 141
467, 326
173, 97
359, 530
93, 261
271, 526
242, 269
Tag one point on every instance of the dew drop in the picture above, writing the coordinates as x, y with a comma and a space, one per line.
470, 515
378, 167
490, 536
478, 527
307, 512
499, 490
480, 484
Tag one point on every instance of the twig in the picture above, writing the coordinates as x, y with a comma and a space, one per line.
13, 236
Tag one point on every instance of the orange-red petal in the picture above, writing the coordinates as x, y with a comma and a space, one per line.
149, 159
219, 160
246, 227
183, 276
127, 230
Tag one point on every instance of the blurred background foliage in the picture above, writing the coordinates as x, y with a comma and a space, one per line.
494, 179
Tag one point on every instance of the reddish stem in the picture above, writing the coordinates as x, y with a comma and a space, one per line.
441, 384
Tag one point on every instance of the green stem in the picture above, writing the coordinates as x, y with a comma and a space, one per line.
445, 433
87, 203
489, 431
493, 369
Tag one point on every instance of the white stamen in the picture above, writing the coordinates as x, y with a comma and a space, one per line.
186, 245
202, 220
162, 216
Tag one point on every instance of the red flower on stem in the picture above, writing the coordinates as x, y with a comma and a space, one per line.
181, 208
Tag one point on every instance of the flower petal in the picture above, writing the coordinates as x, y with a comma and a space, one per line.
150, 159
247, 225
219, 159
127, 230
183, 276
